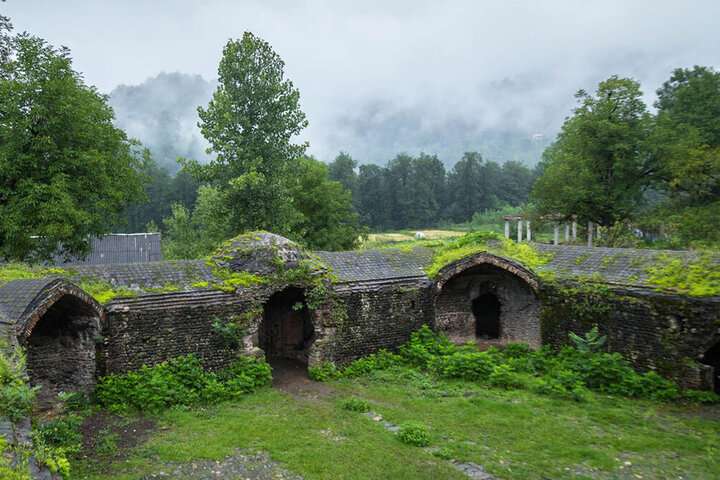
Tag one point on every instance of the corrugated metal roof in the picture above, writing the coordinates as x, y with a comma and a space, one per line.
119, 248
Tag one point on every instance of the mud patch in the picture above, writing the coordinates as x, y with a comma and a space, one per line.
291, 377
108, 437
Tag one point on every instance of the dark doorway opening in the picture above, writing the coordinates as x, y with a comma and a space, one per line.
712, 358
486, 309
61, 350
287, 330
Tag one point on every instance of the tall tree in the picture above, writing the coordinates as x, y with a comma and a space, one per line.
329, 221
342, 170
250, 124
686, 142
600, 165
373, 197
428, 187
469, 188
66, 173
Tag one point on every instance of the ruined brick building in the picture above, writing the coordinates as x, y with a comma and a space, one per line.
373, 299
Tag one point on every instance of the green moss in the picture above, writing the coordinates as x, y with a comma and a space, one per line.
698, 278
489, 242
103, 291
580, 259
167, 288
21, 271
608, 261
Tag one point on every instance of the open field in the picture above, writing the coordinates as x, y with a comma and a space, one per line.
396, 238
512, 434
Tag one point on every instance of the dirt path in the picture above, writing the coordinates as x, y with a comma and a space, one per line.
291, 377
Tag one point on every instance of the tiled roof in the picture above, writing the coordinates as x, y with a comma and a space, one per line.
181, 273
376, 265
626, 266
16, 297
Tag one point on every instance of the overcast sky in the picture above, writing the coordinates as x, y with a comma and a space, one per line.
382, 76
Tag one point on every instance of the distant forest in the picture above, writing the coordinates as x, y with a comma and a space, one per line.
409, 192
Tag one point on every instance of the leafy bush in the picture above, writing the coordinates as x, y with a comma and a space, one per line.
503, 376
413, 433
62, 432
701, 396
569, 373
180, 381
592, 341
323, 372
472, 366
16, 395
382, 360
424, 346
355, 404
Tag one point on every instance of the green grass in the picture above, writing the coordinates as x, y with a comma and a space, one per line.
513, 434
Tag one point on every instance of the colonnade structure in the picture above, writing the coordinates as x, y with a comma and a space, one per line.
570, 227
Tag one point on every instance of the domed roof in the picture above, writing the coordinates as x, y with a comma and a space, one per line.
259, 253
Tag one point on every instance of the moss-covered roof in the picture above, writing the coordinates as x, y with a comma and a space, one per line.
686, 272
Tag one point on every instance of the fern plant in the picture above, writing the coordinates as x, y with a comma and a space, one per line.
591, 342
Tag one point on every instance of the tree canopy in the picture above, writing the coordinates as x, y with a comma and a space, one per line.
599, 166
250, 124
66, 173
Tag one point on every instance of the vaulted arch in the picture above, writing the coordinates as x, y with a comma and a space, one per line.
59, 327
489, 299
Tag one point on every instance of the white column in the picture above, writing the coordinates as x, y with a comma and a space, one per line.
507, 229
567, 232
590, 234
574, 230
556, 235
529, 233
519, 231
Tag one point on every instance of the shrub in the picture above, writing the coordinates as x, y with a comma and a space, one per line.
62, 432
472, 366
701, 396
382, 360
592, 341
16, 395
180, 381
424, 346
323, 372
413, 433
354, 404
503, 376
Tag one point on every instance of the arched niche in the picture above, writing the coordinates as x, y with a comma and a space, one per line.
488, 299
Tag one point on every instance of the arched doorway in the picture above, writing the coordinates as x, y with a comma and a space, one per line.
486, 309
712, 359
286, 333
60, 339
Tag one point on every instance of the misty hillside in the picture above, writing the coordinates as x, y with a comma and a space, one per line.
162, 113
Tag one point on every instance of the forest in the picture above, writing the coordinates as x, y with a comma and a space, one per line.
68, 173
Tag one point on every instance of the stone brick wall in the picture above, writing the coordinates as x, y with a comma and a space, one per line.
656, 331
150, 329
379, 316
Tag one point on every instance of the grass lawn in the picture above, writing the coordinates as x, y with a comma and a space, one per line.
513, 434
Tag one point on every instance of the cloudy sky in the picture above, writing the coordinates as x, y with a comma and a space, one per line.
380, 77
